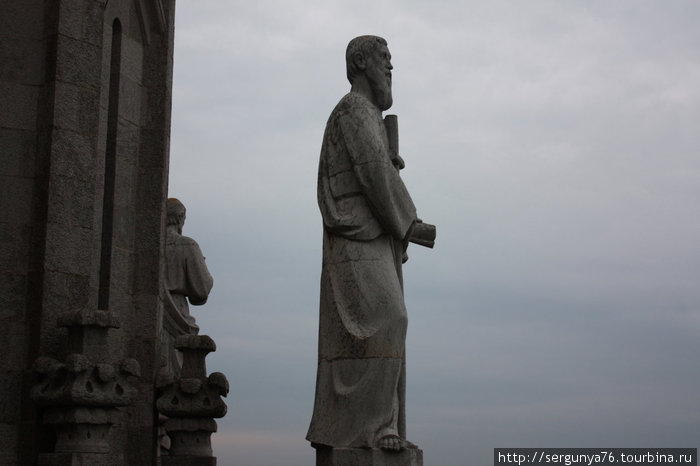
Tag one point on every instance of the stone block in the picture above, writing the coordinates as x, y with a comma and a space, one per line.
130, 99
368, 457
148, 231
16, 199
73, 155
82, 212
123, 230
150, 192
81, 21
101, 146
79, 290
128, 139
89, 318
93, 22
71, 202
158, 101
56, 292
105, 74
132, 30
143, 349
22, 60
132, 59
8, 440
19, 106
127, 166
78, 108
68, 249
11, 386
80, 459
146, 270
13, 246
188, 461
13, 289
119, 303
17, 152
144, 306
122, 269
140, 435
155, 63
22, 19
78, 62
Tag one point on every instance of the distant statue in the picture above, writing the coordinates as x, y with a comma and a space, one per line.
186, 275
368, 221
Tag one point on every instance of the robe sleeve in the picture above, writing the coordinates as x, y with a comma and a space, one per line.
199, 280
365, 139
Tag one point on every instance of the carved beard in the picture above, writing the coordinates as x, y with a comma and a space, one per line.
383, 97
380, 84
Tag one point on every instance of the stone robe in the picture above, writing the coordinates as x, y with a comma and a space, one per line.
367, 214
186, 274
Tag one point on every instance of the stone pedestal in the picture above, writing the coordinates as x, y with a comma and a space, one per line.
187, 460
368, 457
79, 459
80, 429
80, 396
190, 403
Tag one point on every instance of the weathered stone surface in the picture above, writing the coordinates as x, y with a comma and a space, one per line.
23, 60
369, 218
81, 430
368, 457
17, 203
80, 459
21, 98
80, 396
81, 21
11, 382
195, 342
22, 19
192, 400
73, 154
87, 379
8, 438
18, 153
72, 202
78, 62
188, 460
56, 64
190, 436
79, 107
187, 278
90, 318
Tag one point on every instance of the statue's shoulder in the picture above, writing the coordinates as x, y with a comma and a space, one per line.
187, 241
352, 103
175, 239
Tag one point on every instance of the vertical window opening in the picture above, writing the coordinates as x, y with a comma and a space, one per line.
110, 168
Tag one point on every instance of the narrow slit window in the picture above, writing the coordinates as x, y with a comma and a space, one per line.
110, 168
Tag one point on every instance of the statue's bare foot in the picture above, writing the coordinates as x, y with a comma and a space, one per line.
391, 442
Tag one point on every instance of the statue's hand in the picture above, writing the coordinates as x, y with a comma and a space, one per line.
423, 234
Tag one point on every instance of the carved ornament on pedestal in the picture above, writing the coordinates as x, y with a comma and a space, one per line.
81, 395
192, 401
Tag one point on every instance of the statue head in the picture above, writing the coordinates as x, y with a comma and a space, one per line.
175, 213
368, 64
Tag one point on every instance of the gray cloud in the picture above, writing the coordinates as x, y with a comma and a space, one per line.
555, 146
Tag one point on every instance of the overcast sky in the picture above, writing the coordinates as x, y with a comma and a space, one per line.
556, 146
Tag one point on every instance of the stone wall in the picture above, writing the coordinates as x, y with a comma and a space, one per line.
84, 143
23, 48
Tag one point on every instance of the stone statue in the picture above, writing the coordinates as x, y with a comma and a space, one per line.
186, 273
188, 400
368, 220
